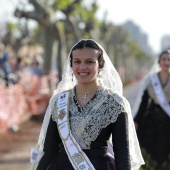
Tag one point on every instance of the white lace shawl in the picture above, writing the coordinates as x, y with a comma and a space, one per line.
87, 122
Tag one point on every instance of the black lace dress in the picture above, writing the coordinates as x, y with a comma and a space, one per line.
91, 126
153, 132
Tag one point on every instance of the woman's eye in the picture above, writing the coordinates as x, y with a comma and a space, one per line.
76, 62
164, 60
89, 62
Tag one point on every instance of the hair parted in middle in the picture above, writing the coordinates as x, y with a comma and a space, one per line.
88, 44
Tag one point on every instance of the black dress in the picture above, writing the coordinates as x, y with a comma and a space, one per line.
111, 120
153, 133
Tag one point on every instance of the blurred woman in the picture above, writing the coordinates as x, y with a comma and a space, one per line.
153, 117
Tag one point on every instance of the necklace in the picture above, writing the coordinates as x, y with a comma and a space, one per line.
86, 94
84, 98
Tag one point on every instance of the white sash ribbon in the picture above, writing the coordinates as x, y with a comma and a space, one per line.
36, 155
77, 157
160, 94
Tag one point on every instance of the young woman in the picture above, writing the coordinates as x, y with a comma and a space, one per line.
153, 116
86, 111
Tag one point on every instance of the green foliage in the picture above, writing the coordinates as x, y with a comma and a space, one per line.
59, 4
12, 26
136, 51
63, 4
85, 13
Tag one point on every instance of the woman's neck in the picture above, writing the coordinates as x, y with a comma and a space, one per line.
85, 92
87, 87
164, 76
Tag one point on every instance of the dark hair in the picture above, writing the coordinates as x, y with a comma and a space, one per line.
162, 53
89, 44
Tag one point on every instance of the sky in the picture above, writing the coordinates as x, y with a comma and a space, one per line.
152, 16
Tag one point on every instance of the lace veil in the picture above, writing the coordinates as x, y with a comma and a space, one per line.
110, 78
143, 85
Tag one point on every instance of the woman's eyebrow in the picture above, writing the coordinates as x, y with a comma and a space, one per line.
76, 59
91, 58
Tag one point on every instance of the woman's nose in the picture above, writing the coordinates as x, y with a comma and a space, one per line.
83, 66
167, 61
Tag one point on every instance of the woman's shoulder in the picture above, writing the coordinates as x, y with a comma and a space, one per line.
54, 100
150, 78
118, 98
113, 93
56, 94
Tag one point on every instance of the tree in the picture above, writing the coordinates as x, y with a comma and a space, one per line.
53, 36
56, 30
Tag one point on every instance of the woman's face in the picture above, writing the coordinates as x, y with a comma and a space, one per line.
165, 62
85, 65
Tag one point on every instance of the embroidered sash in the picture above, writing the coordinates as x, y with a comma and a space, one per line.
77, 157
160, 94
35, 156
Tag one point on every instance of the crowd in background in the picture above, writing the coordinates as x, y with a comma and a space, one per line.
24, 88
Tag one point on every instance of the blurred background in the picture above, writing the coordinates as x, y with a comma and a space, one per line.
35, 39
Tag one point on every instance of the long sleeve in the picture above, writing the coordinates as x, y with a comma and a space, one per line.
120, 141
142, 107
51, 145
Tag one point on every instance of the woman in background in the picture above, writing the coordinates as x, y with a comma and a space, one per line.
153, 117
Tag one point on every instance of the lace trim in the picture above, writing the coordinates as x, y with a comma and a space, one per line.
96, 115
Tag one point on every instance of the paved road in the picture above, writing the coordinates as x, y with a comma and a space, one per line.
131, 93
15, 148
